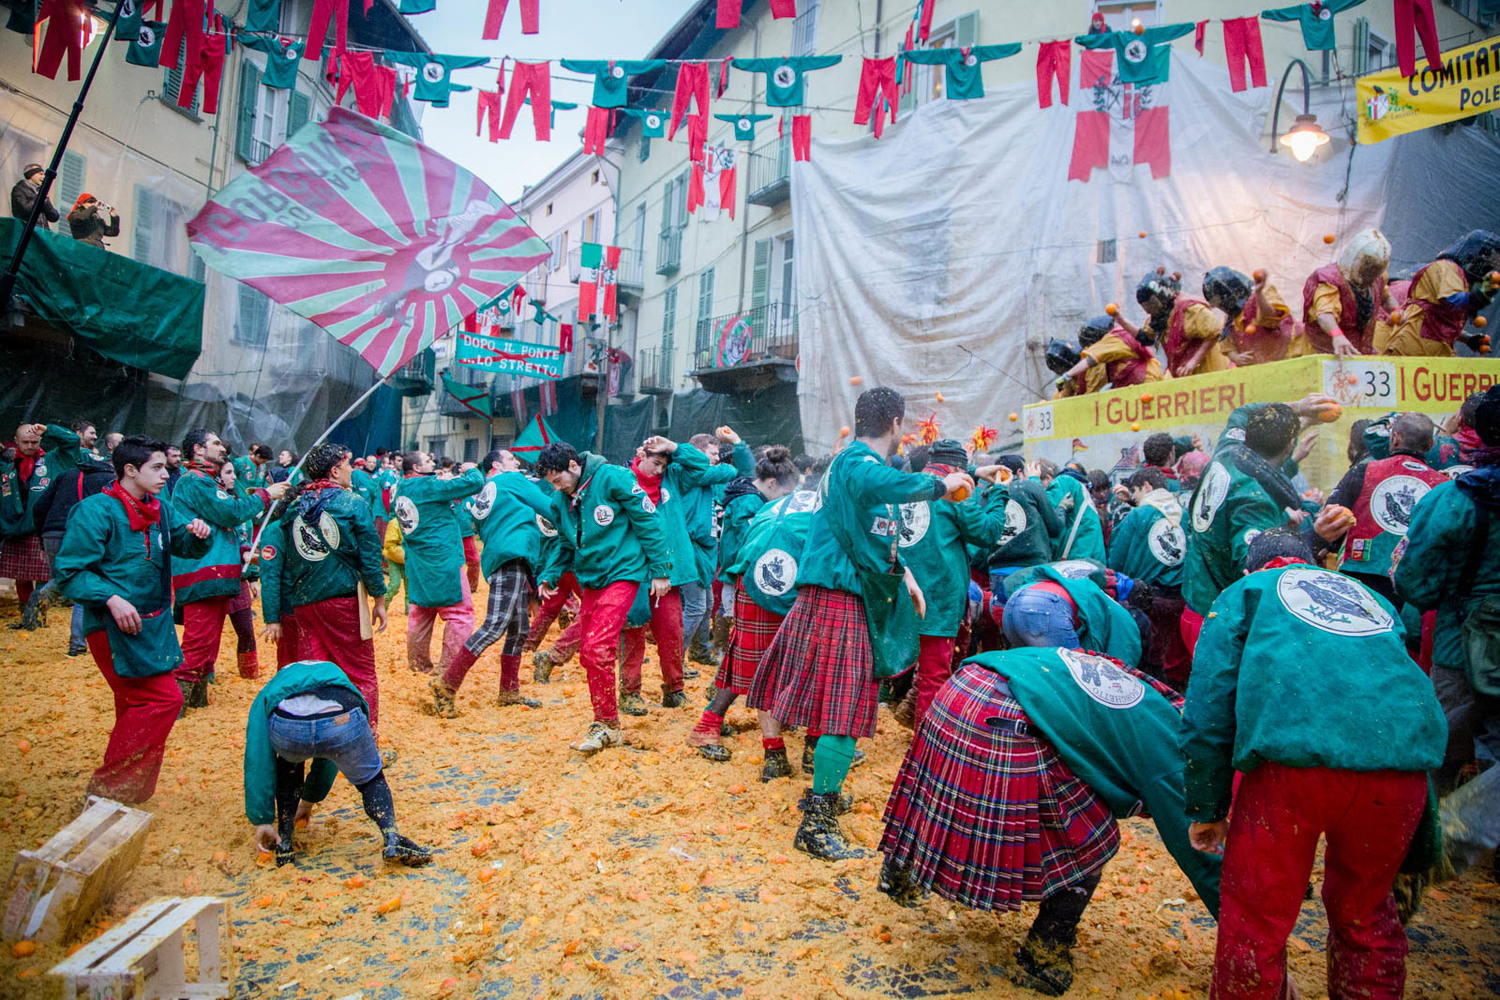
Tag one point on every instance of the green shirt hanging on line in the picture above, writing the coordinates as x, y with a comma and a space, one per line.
784, 77
1140, 59
611, 79
964, 76
1316, 20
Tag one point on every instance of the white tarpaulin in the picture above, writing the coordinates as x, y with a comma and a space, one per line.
943, 256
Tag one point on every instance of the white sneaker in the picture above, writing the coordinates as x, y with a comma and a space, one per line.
599, 736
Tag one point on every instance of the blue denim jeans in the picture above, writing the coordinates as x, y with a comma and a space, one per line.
695, 608
345, 740
1037, 618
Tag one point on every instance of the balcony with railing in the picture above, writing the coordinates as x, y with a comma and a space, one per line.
630, 276
749, 350
416, 377
653, 371
669, 251
449, 405
771, 173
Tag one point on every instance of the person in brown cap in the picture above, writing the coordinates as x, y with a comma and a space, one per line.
23, 197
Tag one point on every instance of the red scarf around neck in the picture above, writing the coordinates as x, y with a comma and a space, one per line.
25, 464
140, 513
1281, 561
651, 484
321, 484
209, 469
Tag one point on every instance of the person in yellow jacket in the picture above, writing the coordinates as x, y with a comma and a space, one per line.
1445, 296
395, 557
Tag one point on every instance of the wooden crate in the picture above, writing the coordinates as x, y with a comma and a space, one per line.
143, 958
52, 892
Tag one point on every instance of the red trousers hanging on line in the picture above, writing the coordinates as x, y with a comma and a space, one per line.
692, 84
695, 191
801, 137
317, 29
1241, 45
1200, 31
924, 31
1053, 59
728, 15
184, 25
1416, 14
596, 130
1368, 819
877, 78
697, 130
495, 15
65, 20
534, 79
727, 190
210, 69
489, 105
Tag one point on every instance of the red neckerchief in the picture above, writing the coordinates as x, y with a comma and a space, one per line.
208, 469
141, 514
1281, 561
651, 484
25, 464
321, 484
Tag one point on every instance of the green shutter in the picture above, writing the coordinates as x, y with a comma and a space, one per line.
760, 275
645, 152
298, 112
668, 216
70, 180
966, 30
1361, 61
244, 136
704, 330
145, 219
680, 201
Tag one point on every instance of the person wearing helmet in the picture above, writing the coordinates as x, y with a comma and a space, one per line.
1190, 328
1445, 296
1342, 303
1113, 356
1062, 359
1260, 326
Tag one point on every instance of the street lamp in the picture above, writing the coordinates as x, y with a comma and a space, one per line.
1304, 137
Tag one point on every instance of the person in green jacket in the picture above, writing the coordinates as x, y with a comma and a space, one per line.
1302, 684
115, 561
506, 512
436, 583
775, 477
203, 588
1031, 526
1082, 534
1148, 544
612, 539
1057, 609
363, 485
311, 711
69, 447
253, 468
25, 474
1450, 562
822, 661
314, 558
1013, 785
699, 511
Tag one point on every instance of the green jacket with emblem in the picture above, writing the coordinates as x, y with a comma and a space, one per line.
682, 476
1071, 500
1149, 543
861, 496
1031, 525
1307, 668
302, 677
1118, 734
934, 534
431, 538
608, 534
217, 573
505, 512
768, 559
698, 503
320, 548
1103, 625
64, 449
17, 496
742, 501
363, 485
250, 476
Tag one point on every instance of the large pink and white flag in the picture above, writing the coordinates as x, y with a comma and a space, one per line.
369, 234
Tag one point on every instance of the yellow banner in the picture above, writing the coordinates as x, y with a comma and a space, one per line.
1468, 84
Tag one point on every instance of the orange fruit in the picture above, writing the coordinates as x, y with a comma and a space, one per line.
23, 949
1146, 397
736, 789
856, 379
940, 395
390, 905
1111, 310
1135, 426
1139, 29
1143, 234
1480, 322
1014, 417
843, 432
1328, 238
355, 882
485, 874
1259, 275
1330, 413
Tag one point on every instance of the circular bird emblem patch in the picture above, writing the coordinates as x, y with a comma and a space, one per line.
970, 60
784, 76
775, 572
1015, 521
653, 121
604, 514
483, 502
406, 514
1210, 495
1167, 541
314, 544
618, 72
1332, 602
1135, 50
147, 36
432, 72
803, 502
546, 527
1392, 502
915, 517
1454, 471
1102, 681
221, 494
1075, 569
743, 123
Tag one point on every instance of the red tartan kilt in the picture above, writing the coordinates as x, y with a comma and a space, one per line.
989, 818
754, 628
24, 559
819, 671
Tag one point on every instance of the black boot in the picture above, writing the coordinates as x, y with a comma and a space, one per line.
819, 834
407, 852
896, 882
1045, 961
198, 696
776, 765
34, 614
808, 748
186, 687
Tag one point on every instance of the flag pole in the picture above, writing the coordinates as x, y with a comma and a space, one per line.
600, 399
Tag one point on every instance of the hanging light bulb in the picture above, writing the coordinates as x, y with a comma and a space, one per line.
1304, 138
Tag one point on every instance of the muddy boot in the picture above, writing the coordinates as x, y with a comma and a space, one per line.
857, 759
541, 666
819, 834
808, 748
707, 744
896, 882
688, 673
443, 704
249, 665
776, 765
507, 698
598, 737
1044, 966
404, 851
186, 687
905, 710
700, 652
34, 614
718, 634
673, 699
842, 803
631, 704
199, 696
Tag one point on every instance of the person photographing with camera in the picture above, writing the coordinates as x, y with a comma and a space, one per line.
91, 220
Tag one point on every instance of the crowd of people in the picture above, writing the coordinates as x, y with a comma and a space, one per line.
1204, 640
1349, 308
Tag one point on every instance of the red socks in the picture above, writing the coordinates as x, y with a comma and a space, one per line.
709, 724
772, 743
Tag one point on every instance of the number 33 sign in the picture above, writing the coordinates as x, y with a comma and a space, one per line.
1361, 383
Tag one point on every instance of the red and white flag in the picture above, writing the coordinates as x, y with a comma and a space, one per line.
600, 268
1120, 126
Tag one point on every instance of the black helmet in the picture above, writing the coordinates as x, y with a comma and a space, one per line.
1061, 355
1157, 285
1226, 289
1477, 253
1093, 331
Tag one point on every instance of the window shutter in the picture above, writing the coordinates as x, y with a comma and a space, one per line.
171, 89
298, 112
645, 152
145, 213
680, 202
244, 136
966, 30
668, 215
70, 179
760, 275
254, 324
1361, 61
668, 333
639, 243
705, 311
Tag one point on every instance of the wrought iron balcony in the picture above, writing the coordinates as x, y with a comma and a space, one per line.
771, 173
630, 276
416, 377
653, 371
747, 350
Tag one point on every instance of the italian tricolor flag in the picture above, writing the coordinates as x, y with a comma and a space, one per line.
600, 264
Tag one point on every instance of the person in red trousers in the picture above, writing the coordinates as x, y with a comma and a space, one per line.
1302, 683
115, 561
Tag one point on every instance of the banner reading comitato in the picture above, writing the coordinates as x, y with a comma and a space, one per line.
1468, 84
1111, 426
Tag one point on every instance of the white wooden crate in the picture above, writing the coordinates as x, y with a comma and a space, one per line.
143, 958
